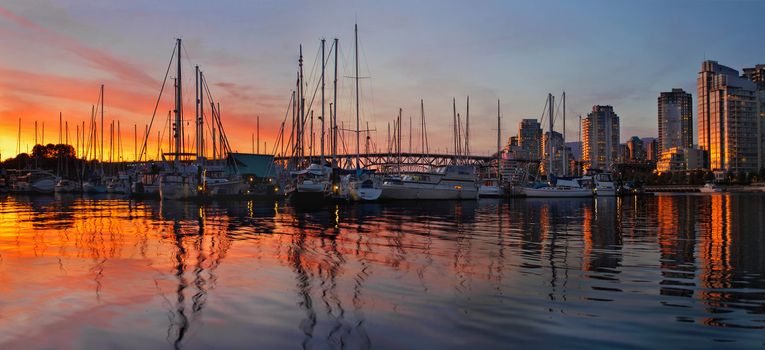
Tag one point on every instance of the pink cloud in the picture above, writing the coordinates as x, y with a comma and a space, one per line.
120, 68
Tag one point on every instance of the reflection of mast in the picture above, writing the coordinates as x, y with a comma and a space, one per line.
329, 288
303, 285
208, 258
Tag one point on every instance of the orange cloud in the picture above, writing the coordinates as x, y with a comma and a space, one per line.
130, 97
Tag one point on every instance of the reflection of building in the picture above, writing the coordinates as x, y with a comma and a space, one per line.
728, 122
601, 138
602, 235
680, 159
676, 218
675, 120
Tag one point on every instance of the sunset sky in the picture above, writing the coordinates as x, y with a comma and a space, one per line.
55, 55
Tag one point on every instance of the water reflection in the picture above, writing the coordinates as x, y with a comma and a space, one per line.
88, 272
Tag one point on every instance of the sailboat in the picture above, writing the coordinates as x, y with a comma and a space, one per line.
36, 181
312, 183
364, 186
491, 187
94, 182
558, 187
181, 180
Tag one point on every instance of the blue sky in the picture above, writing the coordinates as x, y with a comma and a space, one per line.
621, 53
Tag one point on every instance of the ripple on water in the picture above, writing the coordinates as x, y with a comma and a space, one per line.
681, 271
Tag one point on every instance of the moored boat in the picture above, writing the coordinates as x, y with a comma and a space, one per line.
490, 188
67, 186
710, 188
450, 182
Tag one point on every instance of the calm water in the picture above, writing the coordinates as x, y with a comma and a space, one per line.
683, 271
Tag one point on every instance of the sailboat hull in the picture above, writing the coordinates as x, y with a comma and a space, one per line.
43, 186
366, 194
177, 190
553, 192
93, 188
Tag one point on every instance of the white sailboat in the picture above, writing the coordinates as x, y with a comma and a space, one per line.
710, 188
364, 186
492, 187
181, 180
119, 184
36, 181
67, 186
558, 187
311, 184
563, 188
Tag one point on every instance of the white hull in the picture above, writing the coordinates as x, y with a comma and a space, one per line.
554, 192
311, 187
366, 194
710, 190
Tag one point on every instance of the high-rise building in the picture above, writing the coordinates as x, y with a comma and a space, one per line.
757, 76
652, 150
530, 138
636, 151
729, 127
675, 120
600, 138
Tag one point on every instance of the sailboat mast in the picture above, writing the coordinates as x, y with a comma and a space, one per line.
356, 50
454, 129
565, 153
102, 122
196, 110
301, 115
201, 114
581, 147
257, 132
549, 136
178, 101
323, 116
467, 128
422, 127
499, 140
334, 113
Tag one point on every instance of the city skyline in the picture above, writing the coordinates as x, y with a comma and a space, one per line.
58, 55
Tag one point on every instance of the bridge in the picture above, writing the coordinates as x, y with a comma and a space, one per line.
406, 161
